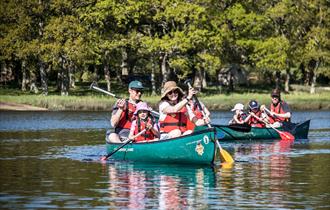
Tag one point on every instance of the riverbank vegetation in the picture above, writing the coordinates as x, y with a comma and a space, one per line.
221, 45
85, 99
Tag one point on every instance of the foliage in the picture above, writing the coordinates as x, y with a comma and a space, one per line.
197, 35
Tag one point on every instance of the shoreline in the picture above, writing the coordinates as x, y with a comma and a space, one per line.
13, 106
9, 106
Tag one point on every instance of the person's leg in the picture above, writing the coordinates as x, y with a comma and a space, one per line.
174, 133
114, 138
187, 132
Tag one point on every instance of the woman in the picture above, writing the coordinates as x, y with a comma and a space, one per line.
173, 111
144, 120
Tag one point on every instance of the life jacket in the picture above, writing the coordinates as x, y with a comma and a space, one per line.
279, 110
198, 114
173, 121
140, 125
254, 122
126, 116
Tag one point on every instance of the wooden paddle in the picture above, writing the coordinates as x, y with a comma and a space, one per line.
283, 134
93, 86
224, 155
121, 146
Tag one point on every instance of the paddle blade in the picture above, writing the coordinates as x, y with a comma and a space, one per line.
226, 157
286, 136
103, 158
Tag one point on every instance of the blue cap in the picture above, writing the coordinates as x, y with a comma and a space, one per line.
253, 104
135, 85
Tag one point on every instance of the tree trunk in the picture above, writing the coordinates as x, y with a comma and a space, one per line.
33, 81
313, 81
198, 80
164, 69
153, 79
106, 70
287, 81
231, 82
72, 80
65, 83
43, 79
219, 81
204, 83
25, 80
124, 62
278, 80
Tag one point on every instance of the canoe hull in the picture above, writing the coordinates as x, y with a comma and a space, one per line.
226, 133
198, 148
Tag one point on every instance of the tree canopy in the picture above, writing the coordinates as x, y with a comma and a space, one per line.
60, 40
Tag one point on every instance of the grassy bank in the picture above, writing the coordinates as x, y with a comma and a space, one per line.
98, 102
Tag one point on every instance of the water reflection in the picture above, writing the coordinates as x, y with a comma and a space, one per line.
138, 186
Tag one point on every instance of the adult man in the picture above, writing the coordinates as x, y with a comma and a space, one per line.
123, 111
279, 110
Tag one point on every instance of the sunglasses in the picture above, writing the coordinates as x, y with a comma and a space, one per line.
275, 97
172, 92
138, 91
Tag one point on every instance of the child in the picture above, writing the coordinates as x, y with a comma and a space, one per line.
143, 120
256, 118
239, 115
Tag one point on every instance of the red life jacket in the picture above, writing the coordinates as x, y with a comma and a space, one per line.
173, 121
279, 110
254, 122
199, 115
140, 125
125, 119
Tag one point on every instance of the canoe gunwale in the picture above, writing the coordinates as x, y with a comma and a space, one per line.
170, 139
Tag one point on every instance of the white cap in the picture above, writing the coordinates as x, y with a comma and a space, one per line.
238, 106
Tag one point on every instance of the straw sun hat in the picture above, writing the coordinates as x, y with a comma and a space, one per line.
168, 87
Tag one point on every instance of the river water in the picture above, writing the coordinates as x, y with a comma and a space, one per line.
51, 160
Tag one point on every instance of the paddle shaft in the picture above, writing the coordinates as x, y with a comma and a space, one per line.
287, 136
113, 95
124, 144
224, 155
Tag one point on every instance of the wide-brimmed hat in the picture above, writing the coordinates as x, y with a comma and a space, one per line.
168, 87
238, 106
141, 106
136, 85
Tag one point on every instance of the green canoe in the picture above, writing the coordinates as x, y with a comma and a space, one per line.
198, 148
237, 132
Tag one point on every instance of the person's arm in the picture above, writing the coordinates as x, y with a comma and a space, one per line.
131, 131
287, 111
236, 120
246, 120
194, 119
255, 116
182, 103
118, 110
154, 130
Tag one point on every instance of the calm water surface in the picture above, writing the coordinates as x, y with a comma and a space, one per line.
51, 160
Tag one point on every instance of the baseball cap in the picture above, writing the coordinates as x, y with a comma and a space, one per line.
135, 85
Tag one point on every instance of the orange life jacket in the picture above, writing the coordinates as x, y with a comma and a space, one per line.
140, 125
125, 119
254, 122
173, 121
279, 110
199, 115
